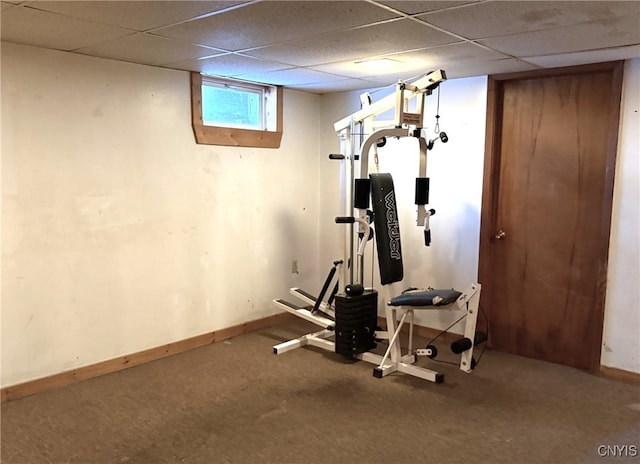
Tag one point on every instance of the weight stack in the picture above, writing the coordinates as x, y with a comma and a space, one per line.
356, 321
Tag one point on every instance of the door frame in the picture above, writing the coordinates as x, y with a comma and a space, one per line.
491, 176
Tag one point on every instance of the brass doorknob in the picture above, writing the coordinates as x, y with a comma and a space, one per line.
500, 234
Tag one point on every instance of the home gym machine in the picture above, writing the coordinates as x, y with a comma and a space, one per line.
348, 315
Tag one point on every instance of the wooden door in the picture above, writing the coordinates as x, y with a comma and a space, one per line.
550, 159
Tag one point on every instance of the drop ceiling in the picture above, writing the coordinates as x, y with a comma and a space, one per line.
324, 46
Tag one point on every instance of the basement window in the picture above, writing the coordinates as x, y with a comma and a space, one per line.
235, 113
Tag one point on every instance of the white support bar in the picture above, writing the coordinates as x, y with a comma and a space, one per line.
311, 300
369, 357
303, 313
290, 345
314, 339
425, 84
472, 306
382, 371
373, 139
421, 372
321, 343
393, 340
304, 296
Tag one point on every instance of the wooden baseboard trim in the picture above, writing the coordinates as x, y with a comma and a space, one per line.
620, 374
33, 387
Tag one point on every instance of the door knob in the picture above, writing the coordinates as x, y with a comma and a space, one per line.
500, 234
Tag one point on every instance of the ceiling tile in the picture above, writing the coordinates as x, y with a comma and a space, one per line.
362, 43
468, 68
286, 77
416, 7
147, 49
491, 19
272, 22
614, 32
272, 40
344, 85
228, 65
137, 15
451, 53
592, 56
397, 68
414, 62
49, 30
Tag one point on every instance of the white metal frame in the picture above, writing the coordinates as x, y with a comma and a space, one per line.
393, 359
318, 339
405, 124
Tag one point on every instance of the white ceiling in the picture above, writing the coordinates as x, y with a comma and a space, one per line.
315, 45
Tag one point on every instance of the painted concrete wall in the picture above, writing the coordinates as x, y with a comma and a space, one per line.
621, 340
119, 233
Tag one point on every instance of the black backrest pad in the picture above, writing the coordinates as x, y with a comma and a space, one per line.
387, 228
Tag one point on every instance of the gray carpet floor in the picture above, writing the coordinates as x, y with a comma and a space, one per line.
237, 402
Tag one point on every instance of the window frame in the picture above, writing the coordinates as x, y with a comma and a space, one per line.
230, 136
256, 90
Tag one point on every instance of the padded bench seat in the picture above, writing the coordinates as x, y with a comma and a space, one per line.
432, 297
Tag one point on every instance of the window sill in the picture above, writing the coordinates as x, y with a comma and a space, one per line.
214, 135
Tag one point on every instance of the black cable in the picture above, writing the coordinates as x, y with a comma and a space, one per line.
445, 330
477, 361
445, 362
436, 128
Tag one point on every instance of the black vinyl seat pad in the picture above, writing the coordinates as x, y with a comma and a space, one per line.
431, 297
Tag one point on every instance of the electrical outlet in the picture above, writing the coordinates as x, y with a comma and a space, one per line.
294, 267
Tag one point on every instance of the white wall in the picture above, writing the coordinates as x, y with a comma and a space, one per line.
456, 170
621, 340
119, 233
334, 107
